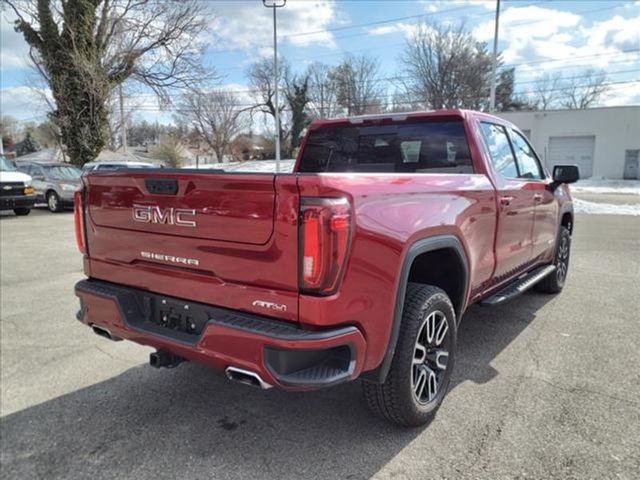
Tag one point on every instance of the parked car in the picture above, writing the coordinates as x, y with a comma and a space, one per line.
16, 192
54, 183
116, 165
360, 264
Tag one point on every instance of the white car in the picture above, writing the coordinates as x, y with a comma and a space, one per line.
16, 192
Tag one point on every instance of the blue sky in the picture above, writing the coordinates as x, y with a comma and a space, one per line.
559, 36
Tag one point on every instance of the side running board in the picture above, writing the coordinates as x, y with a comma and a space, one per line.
519, 286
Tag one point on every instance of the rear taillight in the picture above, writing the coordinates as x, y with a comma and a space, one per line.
324, 241
78, 217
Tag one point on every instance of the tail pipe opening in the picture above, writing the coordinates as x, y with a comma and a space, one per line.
103, 332
246, 377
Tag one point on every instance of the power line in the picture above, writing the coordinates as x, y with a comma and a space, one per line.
394, 45
399, 78
412, 101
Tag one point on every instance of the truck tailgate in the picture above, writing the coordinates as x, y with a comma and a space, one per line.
231, 208
205, 236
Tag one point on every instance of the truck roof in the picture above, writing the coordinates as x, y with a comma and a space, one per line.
401, 116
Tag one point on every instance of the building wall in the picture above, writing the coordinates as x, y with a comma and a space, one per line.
616, 129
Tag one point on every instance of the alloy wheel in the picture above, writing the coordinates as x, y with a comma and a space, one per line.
562, 260
52, 202
430, 356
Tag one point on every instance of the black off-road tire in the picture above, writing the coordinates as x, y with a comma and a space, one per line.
396, 399
22, 211
554, 282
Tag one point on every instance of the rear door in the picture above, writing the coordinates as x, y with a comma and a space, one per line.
516, 205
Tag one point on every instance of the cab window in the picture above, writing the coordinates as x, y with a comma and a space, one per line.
528, 164
499, 149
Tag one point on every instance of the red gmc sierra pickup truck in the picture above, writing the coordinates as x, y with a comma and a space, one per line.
359, 264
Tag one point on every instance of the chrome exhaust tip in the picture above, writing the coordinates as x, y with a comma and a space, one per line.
246, 377
104, 333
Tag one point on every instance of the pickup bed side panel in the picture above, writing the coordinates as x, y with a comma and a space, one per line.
391, 212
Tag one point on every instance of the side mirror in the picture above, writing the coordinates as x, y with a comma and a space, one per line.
565, 174
40, 178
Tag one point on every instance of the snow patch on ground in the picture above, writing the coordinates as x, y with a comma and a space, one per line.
590, 185
582, 206
261, 166
254, 166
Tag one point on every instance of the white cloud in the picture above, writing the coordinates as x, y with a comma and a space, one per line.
527, 23
250, 25
623, 95
14, 52
563, 39
24, 103
619, 32
408, 29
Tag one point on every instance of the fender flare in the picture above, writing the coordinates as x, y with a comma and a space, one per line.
424, 245
567, 207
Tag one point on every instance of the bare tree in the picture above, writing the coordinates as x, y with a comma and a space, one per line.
9, 130
323, 92
358, 87
85, 48
297, 96
447, 68
546, 90
584, 91
402, 101
216, 116
261, 78
169, 150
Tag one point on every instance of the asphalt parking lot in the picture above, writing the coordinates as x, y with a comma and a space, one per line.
545, 387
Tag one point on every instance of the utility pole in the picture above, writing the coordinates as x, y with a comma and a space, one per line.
275, 5
492, 98
123, 123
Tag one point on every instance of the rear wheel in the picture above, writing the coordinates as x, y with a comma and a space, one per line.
53, 202
22, 211
554, 282
421, 367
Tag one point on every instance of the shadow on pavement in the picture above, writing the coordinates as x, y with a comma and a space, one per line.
191, 423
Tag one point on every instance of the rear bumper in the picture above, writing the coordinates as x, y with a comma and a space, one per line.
18, 201
281, 353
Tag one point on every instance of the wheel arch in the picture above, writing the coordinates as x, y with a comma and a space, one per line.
566, 219
48, 191
417, 257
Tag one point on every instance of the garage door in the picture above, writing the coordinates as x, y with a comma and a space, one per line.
572, 151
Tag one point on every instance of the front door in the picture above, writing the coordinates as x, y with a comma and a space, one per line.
516, 205
38, 181
545, 224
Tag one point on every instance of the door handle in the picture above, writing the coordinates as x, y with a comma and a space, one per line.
537, 197
505, 201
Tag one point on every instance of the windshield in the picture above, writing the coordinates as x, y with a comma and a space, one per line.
65, 173
6, 165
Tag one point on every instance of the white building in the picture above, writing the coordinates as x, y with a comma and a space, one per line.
603, 142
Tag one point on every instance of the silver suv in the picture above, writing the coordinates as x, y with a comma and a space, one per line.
54, 183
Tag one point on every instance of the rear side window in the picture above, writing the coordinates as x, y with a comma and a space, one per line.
428, 147
500, 149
